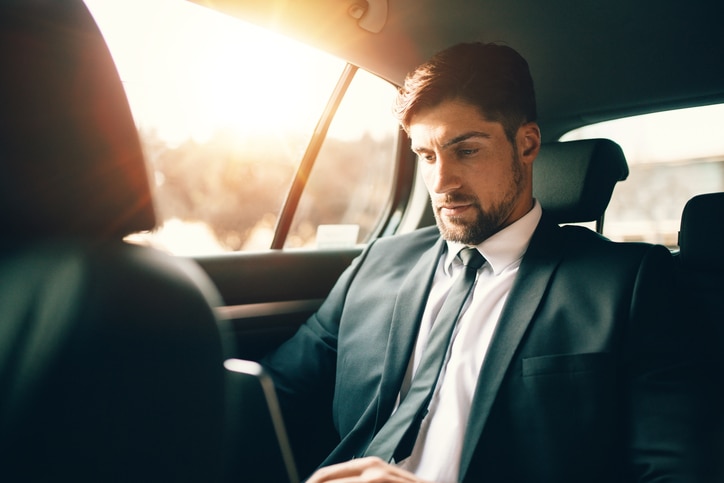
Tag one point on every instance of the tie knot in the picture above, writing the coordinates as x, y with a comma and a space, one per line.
471, 258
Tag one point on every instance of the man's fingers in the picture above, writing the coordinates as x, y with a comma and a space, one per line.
340, 470
362, 470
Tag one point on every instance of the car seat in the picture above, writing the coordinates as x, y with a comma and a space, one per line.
111, 361
701, 290
574, 180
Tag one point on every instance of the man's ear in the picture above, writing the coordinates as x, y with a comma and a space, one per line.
529, 141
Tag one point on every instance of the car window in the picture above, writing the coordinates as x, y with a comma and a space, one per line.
672, 156
226, 111
353, 177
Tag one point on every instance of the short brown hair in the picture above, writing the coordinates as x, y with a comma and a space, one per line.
493, 77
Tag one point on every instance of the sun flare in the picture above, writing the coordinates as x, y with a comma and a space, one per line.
190, 72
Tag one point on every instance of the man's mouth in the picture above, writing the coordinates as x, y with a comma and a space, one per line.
453, 209
452, 206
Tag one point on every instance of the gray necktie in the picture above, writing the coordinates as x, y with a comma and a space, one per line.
397, 437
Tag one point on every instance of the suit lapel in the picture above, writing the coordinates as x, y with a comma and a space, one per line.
536, 269
406, 315
409, 306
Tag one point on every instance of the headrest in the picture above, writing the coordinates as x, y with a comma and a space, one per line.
701, 236
573, 181
70, 157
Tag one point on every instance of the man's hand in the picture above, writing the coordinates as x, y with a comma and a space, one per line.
364, 470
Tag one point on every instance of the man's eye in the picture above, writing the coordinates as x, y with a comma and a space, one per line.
429, 157
464, 153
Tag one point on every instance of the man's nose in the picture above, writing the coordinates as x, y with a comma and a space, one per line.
446, 176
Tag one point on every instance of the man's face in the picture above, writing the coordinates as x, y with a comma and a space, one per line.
478, 182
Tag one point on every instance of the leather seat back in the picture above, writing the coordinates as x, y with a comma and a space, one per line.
574, 180
701, 295
111, 362
701, 270
701, 263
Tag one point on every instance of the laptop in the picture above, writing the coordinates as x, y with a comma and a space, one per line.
260, 450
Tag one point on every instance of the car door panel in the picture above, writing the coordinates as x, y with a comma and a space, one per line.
268, 295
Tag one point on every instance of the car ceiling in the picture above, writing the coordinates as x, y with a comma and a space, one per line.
591, 61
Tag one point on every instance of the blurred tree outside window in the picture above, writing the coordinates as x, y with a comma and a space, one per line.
353, 175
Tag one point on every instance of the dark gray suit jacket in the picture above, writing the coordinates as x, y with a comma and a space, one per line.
587, 378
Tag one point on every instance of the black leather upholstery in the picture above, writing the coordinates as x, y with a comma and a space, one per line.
701, 296
701, 261
110, 366
701, 238
574, 180
111, 362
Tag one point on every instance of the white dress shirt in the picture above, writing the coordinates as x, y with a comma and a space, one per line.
436, 454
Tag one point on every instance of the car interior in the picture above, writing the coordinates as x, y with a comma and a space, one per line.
112, 349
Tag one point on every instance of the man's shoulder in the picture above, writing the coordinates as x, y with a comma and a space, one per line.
408, 246
421, 238
397, 254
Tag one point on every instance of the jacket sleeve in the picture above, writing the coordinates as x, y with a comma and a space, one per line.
303, 370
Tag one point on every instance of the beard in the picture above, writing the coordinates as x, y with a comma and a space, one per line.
486, 222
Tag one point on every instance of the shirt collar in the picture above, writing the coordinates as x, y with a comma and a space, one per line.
503, 248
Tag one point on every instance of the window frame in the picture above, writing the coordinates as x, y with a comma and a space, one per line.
404, 171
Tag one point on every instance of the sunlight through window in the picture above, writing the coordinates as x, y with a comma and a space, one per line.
225, 110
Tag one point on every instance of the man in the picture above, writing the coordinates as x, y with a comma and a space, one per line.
564, 365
